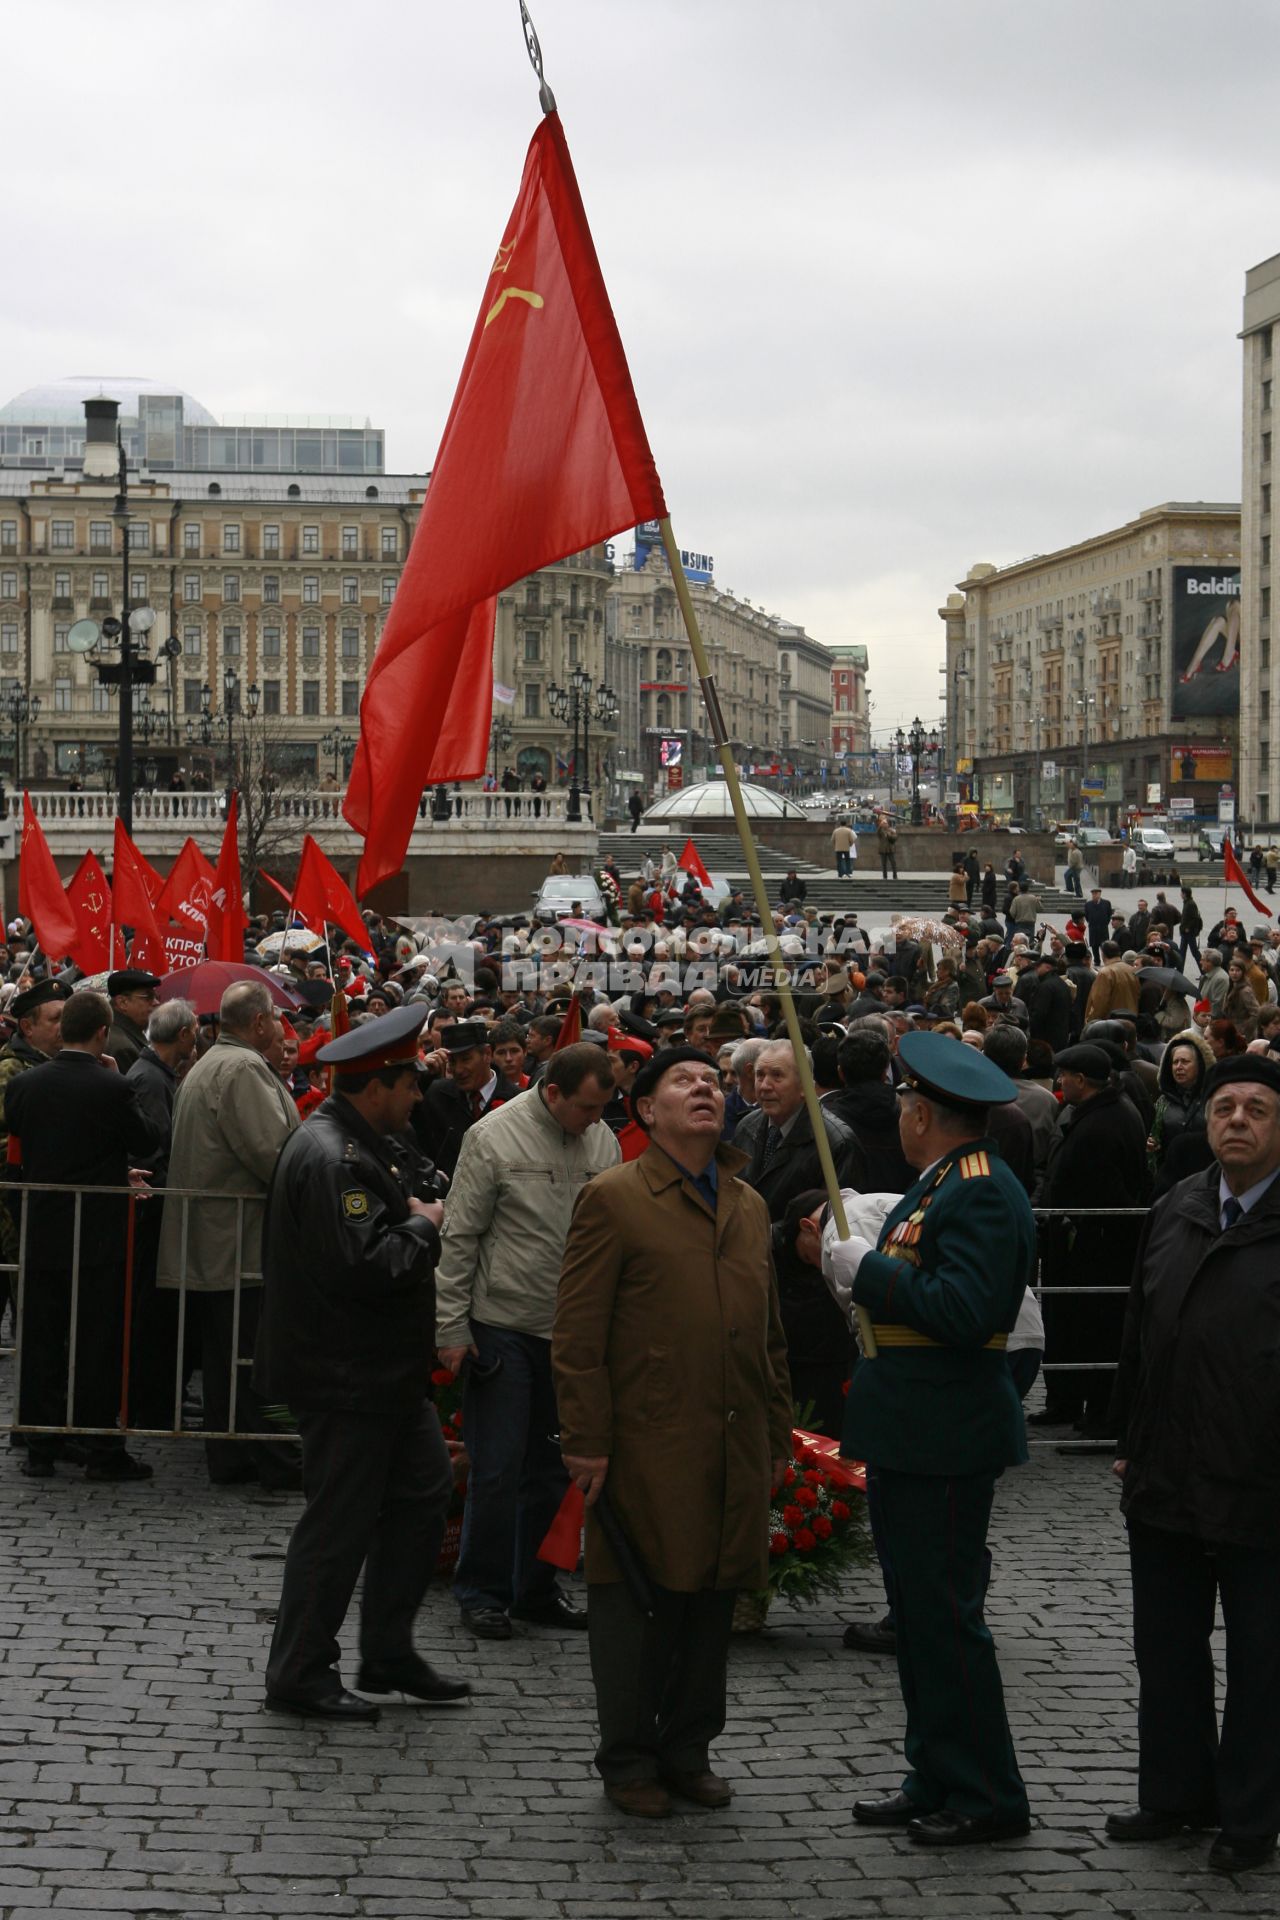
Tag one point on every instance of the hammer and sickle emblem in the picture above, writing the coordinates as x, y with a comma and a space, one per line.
511, 293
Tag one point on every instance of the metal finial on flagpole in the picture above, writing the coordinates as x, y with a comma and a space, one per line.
545, 94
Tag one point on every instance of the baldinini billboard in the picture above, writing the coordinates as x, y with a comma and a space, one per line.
1206, 642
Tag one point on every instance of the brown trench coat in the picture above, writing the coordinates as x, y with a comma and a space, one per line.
669, 1357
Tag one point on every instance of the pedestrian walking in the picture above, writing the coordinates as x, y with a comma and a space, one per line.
887, 846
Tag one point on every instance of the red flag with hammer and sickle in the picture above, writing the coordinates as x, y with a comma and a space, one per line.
90, 899
544, 454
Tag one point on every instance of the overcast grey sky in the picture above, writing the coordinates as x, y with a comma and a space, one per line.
902, 287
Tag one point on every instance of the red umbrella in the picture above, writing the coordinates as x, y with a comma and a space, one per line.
205, 985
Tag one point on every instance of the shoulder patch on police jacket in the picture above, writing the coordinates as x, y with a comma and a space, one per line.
973, 1166
355, 1203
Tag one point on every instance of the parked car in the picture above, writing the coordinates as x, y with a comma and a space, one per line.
1151, 843
561, 892
1083, 837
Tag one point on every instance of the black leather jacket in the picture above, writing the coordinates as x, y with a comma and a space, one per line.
349, 1301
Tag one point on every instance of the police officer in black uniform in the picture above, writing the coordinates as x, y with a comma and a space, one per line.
345, 1342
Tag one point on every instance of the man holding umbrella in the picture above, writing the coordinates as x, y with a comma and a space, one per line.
670, 1372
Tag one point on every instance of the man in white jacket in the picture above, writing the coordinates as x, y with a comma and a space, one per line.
506, 1220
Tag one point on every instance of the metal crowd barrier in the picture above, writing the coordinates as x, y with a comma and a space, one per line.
14, 1200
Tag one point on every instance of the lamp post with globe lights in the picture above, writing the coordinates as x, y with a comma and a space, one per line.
917, 741
578, 705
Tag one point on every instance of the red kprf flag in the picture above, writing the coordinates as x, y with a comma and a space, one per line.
41, 898
690, 861
90, 899
543, 454
227, 919
321, 894
1233, 875
185, 906
131, 904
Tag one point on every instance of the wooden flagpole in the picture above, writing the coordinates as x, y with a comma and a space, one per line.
782, 979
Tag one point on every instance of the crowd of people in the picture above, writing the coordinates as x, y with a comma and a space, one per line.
495, 1152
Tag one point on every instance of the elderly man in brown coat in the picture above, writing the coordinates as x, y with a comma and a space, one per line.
673, 1396
231, 1119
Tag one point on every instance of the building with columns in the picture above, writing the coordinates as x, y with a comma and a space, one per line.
281, 579
1102, 676
269, 553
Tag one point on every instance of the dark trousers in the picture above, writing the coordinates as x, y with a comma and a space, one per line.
844, 866
1187, 945
517, 1478
1072, 877
888, 860
958, 1747
817, 1388
660, 1683
1183, 1763
273, 1461
378, 1489
46, 1353
153, 1332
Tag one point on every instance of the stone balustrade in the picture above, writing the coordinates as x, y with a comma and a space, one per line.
465, 824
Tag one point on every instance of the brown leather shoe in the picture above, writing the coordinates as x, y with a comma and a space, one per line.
704, 1789
646, 1799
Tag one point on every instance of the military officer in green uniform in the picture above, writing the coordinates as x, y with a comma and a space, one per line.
937, 1415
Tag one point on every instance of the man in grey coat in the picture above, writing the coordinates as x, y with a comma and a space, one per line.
232, 1117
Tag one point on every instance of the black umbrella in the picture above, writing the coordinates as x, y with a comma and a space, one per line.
1169, 978
635, 1575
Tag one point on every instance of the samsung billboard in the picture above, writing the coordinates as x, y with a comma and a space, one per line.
699, 567
1206, 642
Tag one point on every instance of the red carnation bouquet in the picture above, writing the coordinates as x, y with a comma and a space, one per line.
817, 1522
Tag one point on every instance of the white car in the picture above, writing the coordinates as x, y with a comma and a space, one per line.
560, 893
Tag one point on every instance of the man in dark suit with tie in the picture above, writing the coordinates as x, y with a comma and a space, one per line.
1196, 1414
472, 1088
783, 1165
78, 1123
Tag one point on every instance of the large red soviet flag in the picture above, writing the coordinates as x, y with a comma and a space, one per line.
544, 454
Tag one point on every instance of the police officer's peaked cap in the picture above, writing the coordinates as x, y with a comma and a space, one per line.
38, 996
389, 1041
131, 980
957, 1077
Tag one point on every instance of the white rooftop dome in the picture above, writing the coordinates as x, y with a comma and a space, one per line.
709, 800
61, 402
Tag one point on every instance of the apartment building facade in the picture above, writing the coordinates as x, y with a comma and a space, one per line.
1101, 677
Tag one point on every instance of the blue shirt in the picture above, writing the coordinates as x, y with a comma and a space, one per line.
706, 1184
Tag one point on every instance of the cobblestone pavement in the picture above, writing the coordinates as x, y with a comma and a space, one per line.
140, 1777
